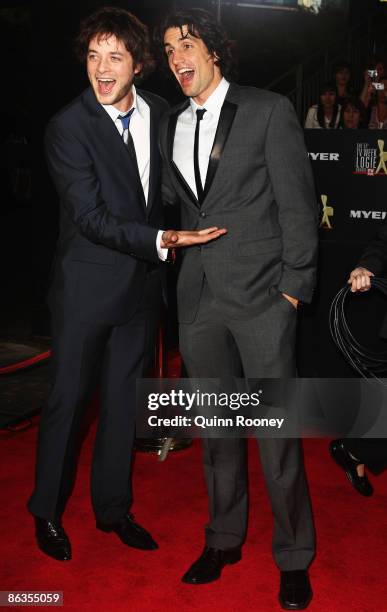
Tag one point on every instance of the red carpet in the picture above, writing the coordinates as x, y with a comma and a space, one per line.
348, 573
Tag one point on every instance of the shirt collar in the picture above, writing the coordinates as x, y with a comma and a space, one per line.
114, 113
214, 103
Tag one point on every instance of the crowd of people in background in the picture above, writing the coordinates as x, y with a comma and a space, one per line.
339, 106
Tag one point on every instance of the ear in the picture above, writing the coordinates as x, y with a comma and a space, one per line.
214, 57
137, 68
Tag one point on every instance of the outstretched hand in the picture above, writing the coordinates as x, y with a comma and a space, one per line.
185, 238
360, 279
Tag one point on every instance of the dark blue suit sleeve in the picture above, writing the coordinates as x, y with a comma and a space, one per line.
72, 171
374, 257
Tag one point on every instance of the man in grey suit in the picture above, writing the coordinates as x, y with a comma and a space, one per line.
234, 157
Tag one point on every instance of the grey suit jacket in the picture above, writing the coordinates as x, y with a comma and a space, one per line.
259, 186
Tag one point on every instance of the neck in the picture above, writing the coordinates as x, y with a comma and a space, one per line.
203, 96
125, 103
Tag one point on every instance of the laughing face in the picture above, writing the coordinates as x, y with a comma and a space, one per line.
111, 71
192, 64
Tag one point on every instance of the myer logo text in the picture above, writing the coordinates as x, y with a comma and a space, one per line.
368, 214
324, 156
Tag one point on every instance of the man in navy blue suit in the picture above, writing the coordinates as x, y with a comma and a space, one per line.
103, 157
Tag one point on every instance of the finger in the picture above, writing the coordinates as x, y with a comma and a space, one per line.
213, 236
353, 286
207, 230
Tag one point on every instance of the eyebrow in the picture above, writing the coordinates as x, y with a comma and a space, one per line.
186, 37
111, 52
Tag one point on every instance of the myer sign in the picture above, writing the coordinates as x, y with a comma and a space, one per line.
324, 156
368, 214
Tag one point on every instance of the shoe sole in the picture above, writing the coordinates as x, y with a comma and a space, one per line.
49, 554
303, 606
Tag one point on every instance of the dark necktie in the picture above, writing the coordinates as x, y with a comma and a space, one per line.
199, 187
125, 120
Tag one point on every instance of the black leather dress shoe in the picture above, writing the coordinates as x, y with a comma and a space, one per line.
210, 564
130, 533
52, 539
342, 457
295, 591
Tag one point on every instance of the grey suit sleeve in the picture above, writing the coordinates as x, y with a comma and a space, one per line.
78, 186
374, 258
292, 182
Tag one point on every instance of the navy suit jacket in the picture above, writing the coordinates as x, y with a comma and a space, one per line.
107, 239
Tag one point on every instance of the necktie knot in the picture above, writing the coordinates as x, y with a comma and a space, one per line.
125, 119
199, 113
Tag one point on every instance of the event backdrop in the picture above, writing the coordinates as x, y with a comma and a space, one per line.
350, 170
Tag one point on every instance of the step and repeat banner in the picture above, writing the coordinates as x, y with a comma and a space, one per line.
350, 171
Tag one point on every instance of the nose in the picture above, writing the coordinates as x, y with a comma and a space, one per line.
175, 57
103, 64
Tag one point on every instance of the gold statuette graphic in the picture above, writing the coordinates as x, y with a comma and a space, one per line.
328, 211
382, 157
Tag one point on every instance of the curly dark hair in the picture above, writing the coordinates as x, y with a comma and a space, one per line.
111, 21
201, 24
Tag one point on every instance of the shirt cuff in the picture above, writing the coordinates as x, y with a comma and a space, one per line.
161, 252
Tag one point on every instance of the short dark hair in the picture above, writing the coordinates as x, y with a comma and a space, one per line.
202, 24
109, 21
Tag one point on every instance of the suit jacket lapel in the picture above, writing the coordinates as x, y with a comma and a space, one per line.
111, 138
170, 139
227, 115
154, 161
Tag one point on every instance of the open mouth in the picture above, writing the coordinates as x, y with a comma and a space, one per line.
185, 76
105, 86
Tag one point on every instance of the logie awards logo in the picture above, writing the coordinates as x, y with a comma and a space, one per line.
369, 160
327, 211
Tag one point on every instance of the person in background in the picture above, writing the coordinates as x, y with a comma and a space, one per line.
326, 114
342, 80
351, 454
368, 93
352, 114
378, 114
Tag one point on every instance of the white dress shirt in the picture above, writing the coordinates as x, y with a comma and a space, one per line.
185, 135
139, 127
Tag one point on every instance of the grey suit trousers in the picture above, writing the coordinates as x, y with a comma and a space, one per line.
214, 346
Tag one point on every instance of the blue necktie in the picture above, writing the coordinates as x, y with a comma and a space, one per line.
125, 120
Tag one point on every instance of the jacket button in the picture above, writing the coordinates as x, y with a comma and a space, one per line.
203, 215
